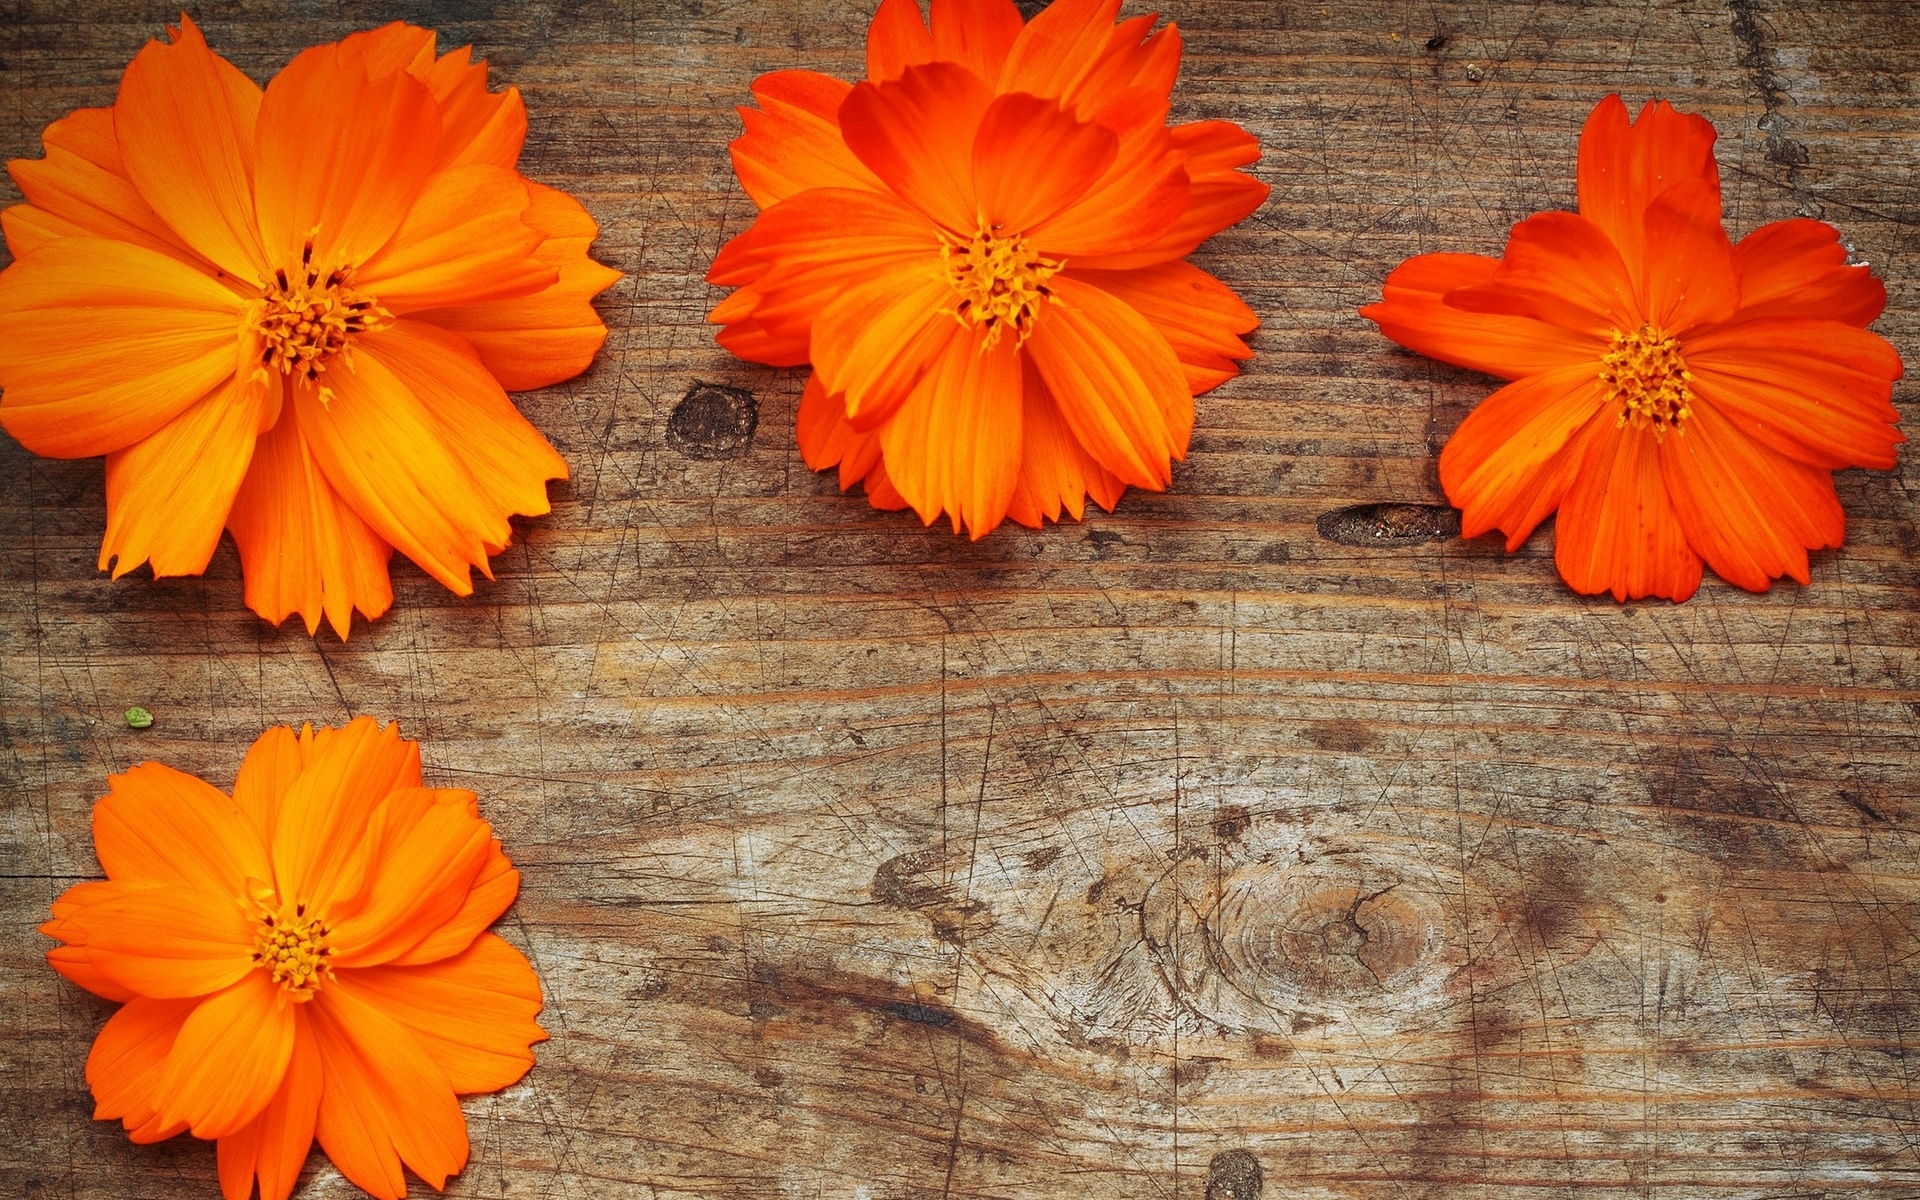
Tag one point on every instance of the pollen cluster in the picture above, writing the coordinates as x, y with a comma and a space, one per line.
304, 321
1648, 378
999, 281
293, 948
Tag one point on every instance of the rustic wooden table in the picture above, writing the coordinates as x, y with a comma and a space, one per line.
1210, 849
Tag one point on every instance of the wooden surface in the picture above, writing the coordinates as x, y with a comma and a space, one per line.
1187, 853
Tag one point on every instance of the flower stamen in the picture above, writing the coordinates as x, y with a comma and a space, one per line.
305, 321
1001, 284
292, 947
1648, 378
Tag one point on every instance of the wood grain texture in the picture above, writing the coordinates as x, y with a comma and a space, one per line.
1185, 853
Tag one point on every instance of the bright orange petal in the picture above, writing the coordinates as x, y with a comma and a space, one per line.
793, 141
533, 341
896, 39
874, 342
462, 242
954, 444
171, 942
185, 122
273, 1146
69, 926
476, 126
341, 158
1031, 160
303, 549
827, 438
977, 34
317, 852
82, 181
916, 133
273, 762
1056, 472
162, 826
1511, 461
1198, 315
425, 847
1116, 381
1751, 513
229, 1058
124, 1066
385, 1102
1688, 280
472, 1013
1625, 166
1818, 391
1798, 268
1414, 313
1559, 268
488, 895
1141, 195
1136, 57
1218, 194
1616, 530
168, 496
102, 343
1059, 48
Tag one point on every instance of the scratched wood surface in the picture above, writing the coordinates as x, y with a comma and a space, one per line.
1188, 853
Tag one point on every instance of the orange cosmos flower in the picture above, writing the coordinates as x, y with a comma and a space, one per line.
292, 314
1676, 397
979, 251
307, 957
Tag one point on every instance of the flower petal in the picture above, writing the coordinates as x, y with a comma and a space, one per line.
793, 141
1056, 472
1413, 312
532, 341
954, 445
1617, 530
1142, 193
168, 495
170, 942
274, 1145
1031, 160
162, 826
69, 926
1059, 48
229, 1059
341, 158
1116, 381
472, 1013
185, 121
1136, 56
1217, 196
476, 126
897, 39
318, 852
1750, 512
425, 848
463, 241
977, 34
827, 438
489, 894
83, 181
1559, 268
1798, 268
916, 133
273, 762
1625, 166
303, 549
385, 1102
1688, 280
102, 343
874, 342
1198, 315
1511, 461
1818, 391
128, 1056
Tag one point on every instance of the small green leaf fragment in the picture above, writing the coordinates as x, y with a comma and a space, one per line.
138, 718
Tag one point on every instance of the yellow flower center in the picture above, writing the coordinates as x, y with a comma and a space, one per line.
1000, 283
292, 947
305, 320
1648, 378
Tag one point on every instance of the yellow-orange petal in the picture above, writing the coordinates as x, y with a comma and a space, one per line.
533, 341
1199, 316
1624, 166
491, 890
1056, 472
1031, 160
827, 438
169, 494
897, 38
917, 133
1218, 194
953, 445
473, 1013
1798, 268
228, 1059
385, 1102
876, 339
128, 1056
792, 140
171, 942
463, 242
1141, 194
69, 926
476, 125
302, 548
1413, 311
273, 762
1511, 461
273, 1146
1116, 381
1616, 530
161, 826
977, 34
83, 182
340, 159
103, 342
186, 121
425, 848
318, 855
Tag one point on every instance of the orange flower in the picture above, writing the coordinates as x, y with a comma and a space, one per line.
979, 251
1676, 397
292, 314
306, 958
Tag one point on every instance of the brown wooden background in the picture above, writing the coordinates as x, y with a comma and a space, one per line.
1186, 853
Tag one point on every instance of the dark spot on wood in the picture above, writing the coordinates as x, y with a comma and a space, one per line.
1343, 735
768, 1077
713, 422
1855, 801
1437, 41
1389, 524
1234, 1175
763, 1010
1030, 8
902, 881
1102, 538
1274, 553
1042, 858
1230, 822
922, 1014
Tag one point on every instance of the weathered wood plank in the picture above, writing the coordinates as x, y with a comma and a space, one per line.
1184, 853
